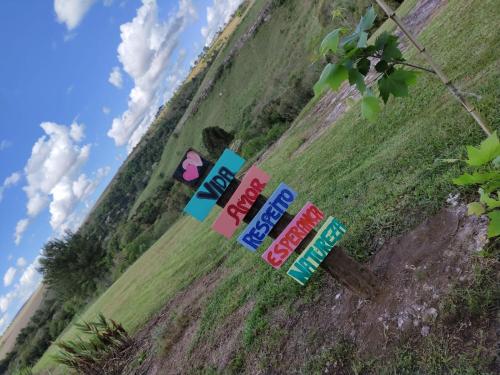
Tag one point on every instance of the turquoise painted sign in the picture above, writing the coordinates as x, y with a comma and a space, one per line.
277, 204
310, 259
214, 185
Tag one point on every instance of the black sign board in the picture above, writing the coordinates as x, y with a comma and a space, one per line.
192, 169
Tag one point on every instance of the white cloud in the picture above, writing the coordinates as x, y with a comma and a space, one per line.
145, 51
115, 77
10, 181
8, 278
106, 110
18, 295
21, 262
71, 12
4, 304
68, 37
54, 177
77, 132
5, 144
21, 227
30, 276
55, 159
217, 15
103, 172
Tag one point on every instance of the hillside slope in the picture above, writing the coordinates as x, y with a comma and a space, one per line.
223, 308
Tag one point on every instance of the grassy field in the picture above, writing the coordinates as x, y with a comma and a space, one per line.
379, 178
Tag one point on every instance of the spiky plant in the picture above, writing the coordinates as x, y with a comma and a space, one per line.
24, 371
102, 342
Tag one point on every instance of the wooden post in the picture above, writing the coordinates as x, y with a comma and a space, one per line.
350, 273
457, 94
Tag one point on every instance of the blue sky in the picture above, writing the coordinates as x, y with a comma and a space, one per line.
80, 81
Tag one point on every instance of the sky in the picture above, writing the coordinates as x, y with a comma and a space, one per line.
80, 82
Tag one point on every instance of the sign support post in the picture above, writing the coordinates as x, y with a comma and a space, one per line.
457, 94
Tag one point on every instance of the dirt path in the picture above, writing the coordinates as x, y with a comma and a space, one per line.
416, 271
334, 104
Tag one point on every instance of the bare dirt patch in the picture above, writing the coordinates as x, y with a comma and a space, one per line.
161, 345
416, 270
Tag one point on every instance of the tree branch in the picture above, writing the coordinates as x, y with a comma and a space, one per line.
416, 67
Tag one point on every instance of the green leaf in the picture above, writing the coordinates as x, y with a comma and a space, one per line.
363, 66
476, 178
332, 76
330, 42
391, 49
475, 208
366, 22
370, 107
360, 35
381, 40
381, 66
349, 42
496, 162
348, 63
494, 225
488, 150
491, 186
322, 84
485, 198
356, 78
337, 76
363, 39
396, 83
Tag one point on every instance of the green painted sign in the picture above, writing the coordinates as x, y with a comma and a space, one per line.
310, 259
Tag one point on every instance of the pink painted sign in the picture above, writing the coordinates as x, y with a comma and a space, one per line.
292, 236
242, 200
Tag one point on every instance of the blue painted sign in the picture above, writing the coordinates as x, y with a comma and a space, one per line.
270, 213
214, 185
321, 245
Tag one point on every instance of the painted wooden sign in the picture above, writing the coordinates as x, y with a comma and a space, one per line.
307, 262
241, 201
192, 169
214, 184
254, 234
301, 225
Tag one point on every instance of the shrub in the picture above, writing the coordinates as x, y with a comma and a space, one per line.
215, 140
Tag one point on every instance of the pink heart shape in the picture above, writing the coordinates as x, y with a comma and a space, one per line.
194, 158
190, 173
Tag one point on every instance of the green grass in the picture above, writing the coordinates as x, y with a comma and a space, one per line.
153, 279
433, 356
380, 179
474, 301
